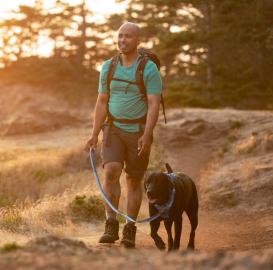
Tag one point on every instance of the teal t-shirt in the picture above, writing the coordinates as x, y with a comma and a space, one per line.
125, 98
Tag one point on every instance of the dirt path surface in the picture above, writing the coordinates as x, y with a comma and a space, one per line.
193, 141
228, 153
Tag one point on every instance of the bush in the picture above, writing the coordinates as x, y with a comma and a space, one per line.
86, 209
236, 124
9, 247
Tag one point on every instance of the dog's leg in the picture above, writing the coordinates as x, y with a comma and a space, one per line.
168, 225
157, 239
193, 217
177, 232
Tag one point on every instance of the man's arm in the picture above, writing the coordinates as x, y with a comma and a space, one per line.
99, 119
145, 141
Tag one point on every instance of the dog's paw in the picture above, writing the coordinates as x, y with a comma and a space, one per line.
160, 244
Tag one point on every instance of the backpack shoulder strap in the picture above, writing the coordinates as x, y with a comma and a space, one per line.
140, 82
111, 71
140, 75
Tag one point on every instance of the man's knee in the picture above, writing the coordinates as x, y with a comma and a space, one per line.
134, 182
112, 171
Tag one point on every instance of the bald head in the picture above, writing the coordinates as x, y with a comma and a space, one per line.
128, 38
131, 27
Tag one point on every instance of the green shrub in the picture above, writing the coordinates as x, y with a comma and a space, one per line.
236, 124
86, 209
7, 247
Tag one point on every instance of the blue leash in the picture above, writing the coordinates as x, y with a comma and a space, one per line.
161, 211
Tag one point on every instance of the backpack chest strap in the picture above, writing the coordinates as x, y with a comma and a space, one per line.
126, 81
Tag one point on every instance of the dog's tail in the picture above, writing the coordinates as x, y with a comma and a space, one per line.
168, 167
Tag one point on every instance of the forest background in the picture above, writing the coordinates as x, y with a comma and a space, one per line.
213, 53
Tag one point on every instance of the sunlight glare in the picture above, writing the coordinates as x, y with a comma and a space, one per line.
102, 7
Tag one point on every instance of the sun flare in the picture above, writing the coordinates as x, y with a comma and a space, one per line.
101, 7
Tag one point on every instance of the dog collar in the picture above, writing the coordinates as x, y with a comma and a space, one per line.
164, 209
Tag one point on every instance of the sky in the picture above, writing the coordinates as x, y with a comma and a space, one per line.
100, 7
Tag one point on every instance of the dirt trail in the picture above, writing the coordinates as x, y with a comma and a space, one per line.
192, 141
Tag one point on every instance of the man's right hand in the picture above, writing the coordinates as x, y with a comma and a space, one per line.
92, 143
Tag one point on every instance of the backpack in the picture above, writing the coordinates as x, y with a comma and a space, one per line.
139, 81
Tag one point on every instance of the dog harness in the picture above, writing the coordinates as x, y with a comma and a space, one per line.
164, 209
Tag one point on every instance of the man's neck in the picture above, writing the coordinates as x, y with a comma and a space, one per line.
129, 59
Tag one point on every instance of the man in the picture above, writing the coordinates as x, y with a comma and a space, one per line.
125, 143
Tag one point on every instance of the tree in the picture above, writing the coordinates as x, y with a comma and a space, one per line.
21, 34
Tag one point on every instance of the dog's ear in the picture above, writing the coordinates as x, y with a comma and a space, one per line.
168, 167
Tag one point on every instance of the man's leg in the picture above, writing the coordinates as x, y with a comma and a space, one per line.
111, 187
134, 198
135, 167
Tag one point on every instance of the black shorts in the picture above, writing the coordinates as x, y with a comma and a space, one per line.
121, 146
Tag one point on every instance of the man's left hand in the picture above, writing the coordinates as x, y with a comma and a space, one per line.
144, 144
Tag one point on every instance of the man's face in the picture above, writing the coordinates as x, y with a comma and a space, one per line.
127, 40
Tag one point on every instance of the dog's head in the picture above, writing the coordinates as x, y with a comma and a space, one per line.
157, 187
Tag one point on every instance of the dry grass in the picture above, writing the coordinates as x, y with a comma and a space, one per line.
256, 143
248, 145
56, 215
247, 170
35, 173
11, 219
39, 185
267, 142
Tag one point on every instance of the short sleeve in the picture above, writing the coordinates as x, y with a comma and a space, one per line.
152, 79
103, 77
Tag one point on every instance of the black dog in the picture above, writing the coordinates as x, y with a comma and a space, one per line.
159, 189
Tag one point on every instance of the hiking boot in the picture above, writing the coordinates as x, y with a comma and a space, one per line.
111, 231
129, 235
